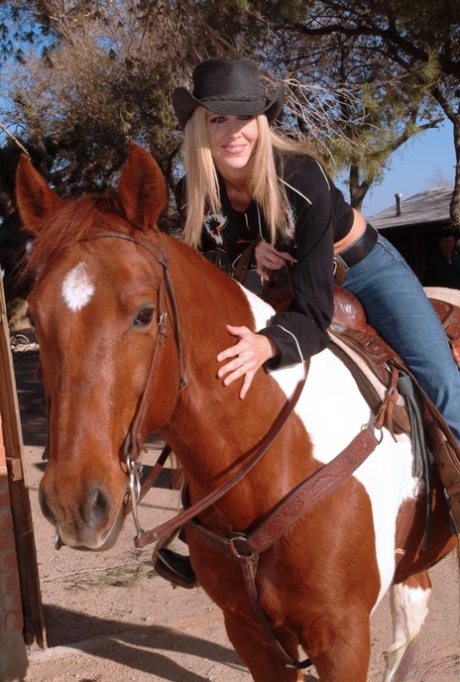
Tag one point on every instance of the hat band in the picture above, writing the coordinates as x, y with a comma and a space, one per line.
223, 98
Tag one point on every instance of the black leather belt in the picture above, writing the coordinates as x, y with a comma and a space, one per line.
361, 248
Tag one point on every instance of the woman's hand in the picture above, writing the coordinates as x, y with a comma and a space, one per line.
268, 258
246, 356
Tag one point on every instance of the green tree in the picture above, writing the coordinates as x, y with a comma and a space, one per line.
83, 80
361, 76
406, 56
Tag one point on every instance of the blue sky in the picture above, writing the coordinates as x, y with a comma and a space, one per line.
422, 163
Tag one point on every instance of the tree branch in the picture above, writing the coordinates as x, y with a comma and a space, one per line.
14, 139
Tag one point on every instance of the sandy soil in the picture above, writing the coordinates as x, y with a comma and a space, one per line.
110, 618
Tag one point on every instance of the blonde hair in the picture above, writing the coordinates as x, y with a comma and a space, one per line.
202, 185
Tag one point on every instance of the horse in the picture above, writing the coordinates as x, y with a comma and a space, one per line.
131, 320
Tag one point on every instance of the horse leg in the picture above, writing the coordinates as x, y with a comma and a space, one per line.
408, 602
265, 664
341, 651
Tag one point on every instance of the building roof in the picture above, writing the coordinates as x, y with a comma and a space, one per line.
430, 206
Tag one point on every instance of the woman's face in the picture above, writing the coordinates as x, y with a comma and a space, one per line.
232, 140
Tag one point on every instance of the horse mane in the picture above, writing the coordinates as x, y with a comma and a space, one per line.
75, 221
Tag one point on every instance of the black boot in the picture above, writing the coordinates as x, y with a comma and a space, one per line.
176, 568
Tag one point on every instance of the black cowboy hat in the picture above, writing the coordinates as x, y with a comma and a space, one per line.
227, 86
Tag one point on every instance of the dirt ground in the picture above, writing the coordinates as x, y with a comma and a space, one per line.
110, 618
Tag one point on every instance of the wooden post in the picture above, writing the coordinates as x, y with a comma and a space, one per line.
13, 655
29, 585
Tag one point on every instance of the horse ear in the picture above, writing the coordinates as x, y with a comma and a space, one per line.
142, 188
34, 196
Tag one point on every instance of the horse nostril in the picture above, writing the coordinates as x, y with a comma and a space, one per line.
96, 508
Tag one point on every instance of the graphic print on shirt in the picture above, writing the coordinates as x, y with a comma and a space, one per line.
223, 234
214, 224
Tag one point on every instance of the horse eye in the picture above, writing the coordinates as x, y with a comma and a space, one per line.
144, 317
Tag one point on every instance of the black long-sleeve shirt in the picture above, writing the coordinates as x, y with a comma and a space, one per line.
317, 216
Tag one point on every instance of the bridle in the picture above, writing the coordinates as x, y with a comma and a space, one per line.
134, 441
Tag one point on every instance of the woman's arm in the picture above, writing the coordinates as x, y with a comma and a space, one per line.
292, 336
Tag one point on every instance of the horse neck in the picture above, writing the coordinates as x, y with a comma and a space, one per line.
212, 430
206, 300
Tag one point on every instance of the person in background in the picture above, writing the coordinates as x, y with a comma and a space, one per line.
245, 184
443, 267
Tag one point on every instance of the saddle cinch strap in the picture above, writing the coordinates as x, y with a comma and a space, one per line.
350, 329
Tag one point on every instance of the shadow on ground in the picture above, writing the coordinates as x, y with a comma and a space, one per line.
115, 641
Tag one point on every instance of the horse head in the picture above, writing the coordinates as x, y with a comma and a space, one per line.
102, 309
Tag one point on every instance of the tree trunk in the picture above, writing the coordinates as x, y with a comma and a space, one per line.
455, 201
357, 190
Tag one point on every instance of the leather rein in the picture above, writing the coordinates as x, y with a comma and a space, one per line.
243, 548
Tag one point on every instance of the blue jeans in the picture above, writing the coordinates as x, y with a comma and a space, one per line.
396, 306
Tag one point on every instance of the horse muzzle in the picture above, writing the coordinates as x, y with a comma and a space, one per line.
94, 522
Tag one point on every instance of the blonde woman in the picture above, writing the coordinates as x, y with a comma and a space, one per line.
244, 183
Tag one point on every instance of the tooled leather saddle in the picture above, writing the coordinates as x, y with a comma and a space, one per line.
377, 367
371, 358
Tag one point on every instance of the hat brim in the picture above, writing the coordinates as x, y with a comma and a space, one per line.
184, 104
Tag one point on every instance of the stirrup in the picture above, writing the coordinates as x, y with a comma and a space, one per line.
176, 568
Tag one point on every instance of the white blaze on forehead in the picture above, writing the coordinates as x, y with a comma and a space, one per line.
77, 287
